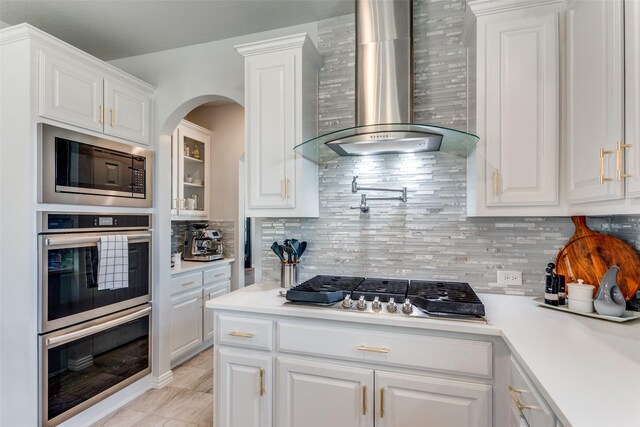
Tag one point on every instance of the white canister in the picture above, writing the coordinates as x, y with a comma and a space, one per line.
582, 306
580, 291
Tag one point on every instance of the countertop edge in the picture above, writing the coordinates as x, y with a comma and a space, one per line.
187, 266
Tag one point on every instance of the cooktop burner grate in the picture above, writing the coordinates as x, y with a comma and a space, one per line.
381, 288
324, 289
445, 297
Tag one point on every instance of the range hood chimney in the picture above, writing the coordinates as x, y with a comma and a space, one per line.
384, 93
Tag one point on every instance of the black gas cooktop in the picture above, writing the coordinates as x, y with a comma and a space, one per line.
400, 295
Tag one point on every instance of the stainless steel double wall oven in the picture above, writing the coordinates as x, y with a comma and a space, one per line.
92, 341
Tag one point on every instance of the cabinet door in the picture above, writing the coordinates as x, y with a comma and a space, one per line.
70, 91
212, 292
243, 397
416, 401
191, 160
313, 394
270, 83
127, 112
523, 107
632, 97
594, 99
186, 322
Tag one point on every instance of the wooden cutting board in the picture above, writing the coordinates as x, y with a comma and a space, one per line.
589, 254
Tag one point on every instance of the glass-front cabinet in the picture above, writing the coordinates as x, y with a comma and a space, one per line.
190, 163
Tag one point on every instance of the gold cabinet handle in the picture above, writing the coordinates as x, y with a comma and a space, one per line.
241, 334
603, 153
111, 122
381, 402
261, 382
514, 396
364, 400
373, 349
101, 119
620, 175
286, 187
496, 182
186, 283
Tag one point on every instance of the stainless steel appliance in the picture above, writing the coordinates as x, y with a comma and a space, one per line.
201, 244
83, 364
384, 93
68, 259
81, 169
414, 298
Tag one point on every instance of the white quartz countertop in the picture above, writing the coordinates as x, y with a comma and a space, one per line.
587, 369
186, 266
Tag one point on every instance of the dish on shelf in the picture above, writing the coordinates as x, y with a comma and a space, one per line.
626, 316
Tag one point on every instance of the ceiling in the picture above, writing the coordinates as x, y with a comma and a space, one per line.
118, 29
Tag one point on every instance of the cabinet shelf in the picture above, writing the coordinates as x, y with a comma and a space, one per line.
193, 159
189, 184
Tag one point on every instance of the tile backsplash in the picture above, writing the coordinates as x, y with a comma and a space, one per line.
429, 236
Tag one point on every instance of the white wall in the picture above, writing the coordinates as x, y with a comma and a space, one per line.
227, 124
4, 25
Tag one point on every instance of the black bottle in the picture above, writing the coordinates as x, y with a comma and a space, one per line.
562, 291
551, 286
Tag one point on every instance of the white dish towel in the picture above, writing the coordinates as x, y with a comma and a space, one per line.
113, 262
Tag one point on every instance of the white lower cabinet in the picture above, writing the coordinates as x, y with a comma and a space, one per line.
191, 322
416, 401
244, 396
527, 406
186, 322
313, 394
347, 375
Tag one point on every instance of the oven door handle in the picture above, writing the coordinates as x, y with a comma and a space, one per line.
71, 336
92, 239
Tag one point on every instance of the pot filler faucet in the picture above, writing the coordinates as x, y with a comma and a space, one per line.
364, 199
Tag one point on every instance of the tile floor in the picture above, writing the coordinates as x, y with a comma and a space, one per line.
186, 402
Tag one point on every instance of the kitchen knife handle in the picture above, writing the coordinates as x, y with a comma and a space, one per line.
603, 153
620, 161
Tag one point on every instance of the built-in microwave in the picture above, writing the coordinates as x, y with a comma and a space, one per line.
81, 169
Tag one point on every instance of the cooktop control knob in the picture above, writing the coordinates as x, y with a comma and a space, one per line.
347, 302
361, 304
407, 307
376, 305
392, 307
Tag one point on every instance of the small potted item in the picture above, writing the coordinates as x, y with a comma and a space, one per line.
580, 297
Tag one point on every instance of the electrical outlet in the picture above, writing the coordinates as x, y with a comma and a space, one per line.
506, 277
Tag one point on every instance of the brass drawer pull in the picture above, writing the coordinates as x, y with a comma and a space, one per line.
364, 400
261, 381
496, 182
620, 161
241, 334
187, 283
373, 349
381, 402
101, 119
514, 396
603, 153
112, 122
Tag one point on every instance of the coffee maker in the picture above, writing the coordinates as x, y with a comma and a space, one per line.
201, 244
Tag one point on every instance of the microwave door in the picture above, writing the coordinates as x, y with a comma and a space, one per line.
112, 172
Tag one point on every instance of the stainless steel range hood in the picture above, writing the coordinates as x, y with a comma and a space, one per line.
384, 93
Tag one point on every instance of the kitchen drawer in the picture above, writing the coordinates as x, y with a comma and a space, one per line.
245, 332
534, 409
217, 274
452, 355
186, 282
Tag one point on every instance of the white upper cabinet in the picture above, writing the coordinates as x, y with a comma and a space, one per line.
281, 90
631, 151
127, 111
190, 168
71, 91
595, 99
515, 105
82, 94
